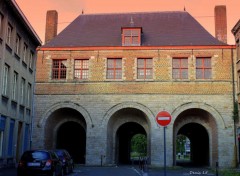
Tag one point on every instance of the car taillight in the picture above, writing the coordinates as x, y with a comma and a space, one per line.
48, 163
20, 163
64, 160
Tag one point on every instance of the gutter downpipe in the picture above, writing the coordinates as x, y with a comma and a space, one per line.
235, 160
33, 102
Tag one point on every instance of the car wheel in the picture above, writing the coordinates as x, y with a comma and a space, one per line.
71, 168
54, 173
62, 173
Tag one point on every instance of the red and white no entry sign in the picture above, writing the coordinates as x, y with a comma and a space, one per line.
163, 118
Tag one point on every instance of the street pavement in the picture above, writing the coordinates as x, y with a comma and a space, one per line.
127, 171
135, 171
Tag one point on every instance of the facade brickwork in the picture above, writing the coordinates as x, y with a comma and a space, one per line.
103, 105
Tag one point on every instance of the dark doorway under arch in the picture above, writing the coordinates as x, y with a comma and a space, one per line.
72, 137
199, 140
124, 136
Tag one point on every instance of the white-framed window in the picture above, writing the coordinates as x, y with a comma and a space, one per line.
25, 47
5, 79
22, 91
17, 44
31, 60
14, 86
9, 34
29, 95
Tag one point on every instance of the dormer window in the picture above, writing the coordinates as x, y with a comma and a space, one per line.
131, 36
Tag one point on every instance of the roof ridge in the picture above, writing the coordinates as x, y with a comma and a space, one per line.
147, 12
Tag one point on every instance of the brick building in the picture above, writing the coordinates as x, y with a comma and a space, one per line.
105, 77
18, 43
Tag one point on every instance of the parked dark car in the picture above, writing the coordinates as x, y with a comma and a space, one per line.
39, 162
67, 160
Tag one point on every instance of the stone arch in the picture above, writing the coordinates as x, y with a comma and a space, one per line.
204, 115
134, 105
60, 123
70, 105
62, 127
217, 116
121, 114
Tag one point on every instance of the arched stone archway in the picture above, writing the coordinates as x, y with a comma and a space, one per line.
122, 123
201, 128
199, 144
69, 105
72, 137
66, 128
124, 135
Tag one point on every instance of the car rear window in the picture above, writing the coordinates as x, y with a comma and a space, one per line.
60, 153
35, 155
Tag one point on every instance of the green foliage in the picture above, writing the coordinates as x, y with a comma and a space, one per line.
139, 144
235, 112
229, 173
181, 139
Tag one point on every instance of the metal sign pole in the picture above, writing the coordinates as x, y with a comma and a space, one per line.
163, 118
164, 138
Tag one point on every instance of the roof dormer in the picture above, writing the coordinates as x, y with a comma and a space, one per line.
131, 36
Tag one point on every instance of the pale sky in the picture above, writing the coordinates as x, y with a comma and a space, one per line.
68, 10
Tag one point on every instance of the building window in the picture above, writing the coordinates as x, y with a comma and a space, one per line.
14, 87
81, 69
9, 34
180, 68
5, 79
114, 68
22, 91
1, 143
10, 138
25, 47
17, 44
2, 128
144, 68
1, 24
29, 95
59, 69
131, 36
31, 60
203, 68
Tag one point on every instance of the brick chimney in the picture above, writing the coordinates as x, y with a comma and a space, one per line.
221, 23
51, 25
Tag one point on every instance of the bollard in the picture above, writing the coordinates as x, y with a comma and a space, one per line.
216, 168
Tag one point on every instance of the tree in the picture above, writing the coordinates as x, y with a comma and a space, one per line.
181, 140
139, 144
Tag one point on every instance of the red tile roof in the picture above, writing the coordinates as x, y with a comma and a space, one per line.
158, 29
